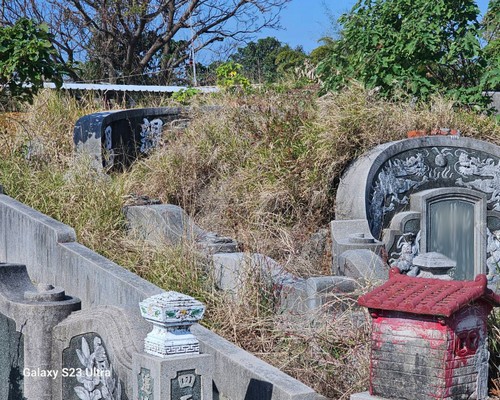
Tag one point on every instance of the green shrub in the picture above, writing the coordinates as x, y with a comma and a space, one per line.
419, 48
185, 96
229, 75
26, 59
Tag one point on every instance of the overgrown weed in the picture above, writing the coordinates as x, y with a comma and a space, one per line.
262, 169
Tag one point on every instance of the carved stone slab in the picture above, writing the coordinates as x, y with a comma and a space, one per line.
420, 169
186, 386
87, 372
189, 377
96, 347
11, 360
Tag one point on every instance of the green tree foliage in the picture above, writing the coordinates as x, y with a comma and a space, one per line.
258, 59
267, 60
323, 51
288, 60
491, 33
26, 59
417, 47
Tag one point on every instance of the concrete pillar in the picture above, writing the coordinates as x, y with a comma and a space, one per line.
35, 310
171, 366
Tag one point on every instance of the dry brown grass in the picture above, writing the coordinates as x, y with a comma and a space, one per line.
263, 170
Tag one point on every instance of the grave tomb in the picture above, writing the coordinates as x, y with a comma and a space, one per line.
434, 194
115, 139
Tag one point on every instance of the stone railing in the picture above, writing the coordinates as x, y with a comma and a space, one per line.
107, 336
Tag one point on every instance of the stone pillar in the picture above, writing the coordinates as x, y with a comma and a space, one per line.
171, 367
35, 310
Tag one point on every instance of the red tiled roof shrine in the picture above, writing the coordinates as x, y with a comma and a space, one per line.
426, 295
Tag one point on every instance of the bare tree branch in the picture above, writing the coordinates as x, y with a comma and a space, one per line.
117, 39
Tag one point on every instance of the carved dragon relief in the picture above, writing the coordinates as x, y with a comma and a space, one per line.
429, 168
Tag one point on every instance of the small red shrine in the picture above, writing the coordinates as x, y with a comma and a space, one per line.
429, 337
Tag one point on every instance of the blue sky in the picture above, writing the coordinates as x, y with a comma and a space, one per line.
306, 21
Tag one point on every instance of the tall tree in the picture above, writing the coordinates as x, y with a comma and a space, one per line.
323, 51
491, 33
288, 60
126, 39
259, 59
414, 46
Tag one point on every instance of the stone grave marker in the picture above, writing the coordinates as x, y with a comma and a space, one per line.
95, 348
11, 360
28, 314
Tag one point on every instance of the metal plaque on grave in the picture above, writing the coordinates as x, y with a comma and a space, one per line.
11, 360
186, 386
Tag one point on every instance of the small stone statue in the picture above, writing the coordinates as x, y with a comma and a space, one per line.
405, 262
409, 244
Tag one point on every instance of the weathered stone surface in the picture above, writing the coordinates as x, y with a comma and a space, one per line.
354, 201
495, 100
232, 270
163, 223
187, 383
403, 231
88, 370
51, 254
211, 243
109, 333
351, 235
117, 138
365, 396
174, 378
363, 264
180, 124
11, 360
313, 293
168, 223
35, 319
434, 265
382, 185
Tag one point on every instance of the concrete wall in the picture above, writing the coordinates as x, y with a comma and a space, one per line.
51, 254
